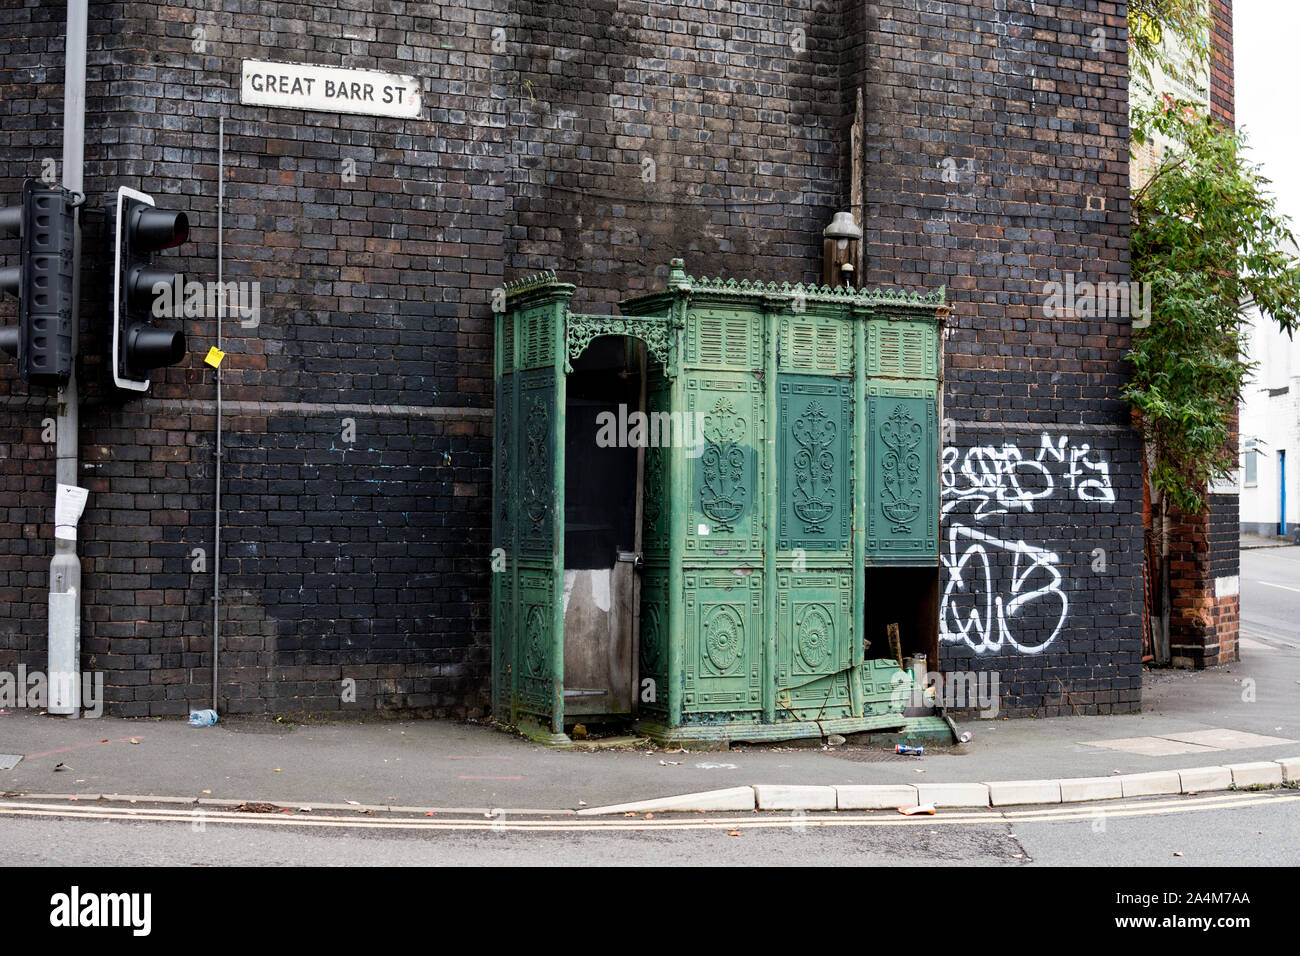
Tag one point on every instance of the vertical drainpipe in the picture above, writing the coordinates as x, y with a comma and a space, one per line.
216, 504
63, 643
766, 489
858, 455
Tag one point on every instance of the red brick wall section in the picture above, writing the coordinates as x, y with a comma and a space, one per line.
1222, 95
1205, 548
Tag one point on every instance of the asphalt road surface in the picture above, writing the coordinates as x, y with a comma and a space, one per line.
1270, 595
1220, 829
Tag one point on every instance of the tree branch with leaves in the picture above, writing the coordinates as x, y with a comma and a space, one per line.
1207, 236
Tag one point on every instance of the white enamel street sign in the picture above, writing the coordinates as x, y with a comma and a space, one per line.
302, 86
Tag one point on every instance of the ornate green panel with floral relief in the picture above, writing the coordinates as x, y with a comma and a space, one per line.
814, 434
902, 479
727, 474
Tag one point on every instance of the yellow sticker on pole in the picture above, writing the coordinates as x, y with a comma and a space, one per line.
214, 357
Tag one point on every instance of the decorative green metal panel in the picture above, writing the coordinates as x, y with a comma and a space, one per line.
724, 519
902, 349
882, 686
534, 640
655, 637
814, 479
902, 480
536, 336
535, 452
656, 501
724, 338
814, 644
724, 642
816, 343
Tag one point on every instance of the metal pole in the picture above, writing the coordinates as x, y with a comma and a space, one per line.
216, 509
64, 635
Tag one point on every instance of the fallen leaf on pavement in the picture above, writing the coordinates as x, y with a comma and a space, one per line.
255, 808
733, 833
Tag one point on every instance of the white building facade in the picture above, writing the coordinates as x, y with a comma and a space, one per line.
1270, 433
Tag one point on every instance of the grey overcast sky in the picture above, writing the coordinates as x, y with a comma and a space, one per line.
1268, 94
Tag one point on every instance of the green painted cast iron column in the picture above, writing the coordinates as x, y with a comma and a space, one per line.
771, 353
859, 459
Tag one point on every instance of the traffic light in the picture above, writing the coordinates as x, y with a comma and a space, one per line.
45, 338
141, 292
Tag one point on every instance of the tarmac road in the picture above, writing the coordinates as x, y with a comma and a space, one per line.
1223, 829
1270, 595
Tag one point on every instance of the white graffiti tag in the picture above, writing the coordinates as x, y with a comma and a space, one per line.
980, 605
986, 616
1000, 480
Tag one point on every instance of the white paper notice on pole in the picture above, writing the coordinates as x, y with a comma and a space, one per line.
69, 503
303, 86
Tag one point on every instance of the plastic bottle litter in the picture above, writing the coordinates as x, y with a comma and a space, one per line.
203, 718
905, 749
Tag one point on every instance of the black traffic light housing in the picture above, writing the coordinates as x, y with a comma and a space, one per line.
45, 338
138, 345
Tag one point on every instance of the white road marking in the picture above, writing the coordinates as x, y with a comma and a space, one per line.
984, 817
1284, 587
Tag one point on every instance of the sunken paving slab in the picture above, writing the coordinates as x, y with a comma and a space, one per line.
1222, 739
1148, 746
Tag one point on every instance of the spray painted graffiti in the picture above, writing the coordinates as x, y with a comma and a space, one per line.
999, 480
991, 600
985, 616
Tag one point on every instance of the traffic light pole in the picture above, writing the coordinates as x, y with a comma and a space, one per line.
64, 647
